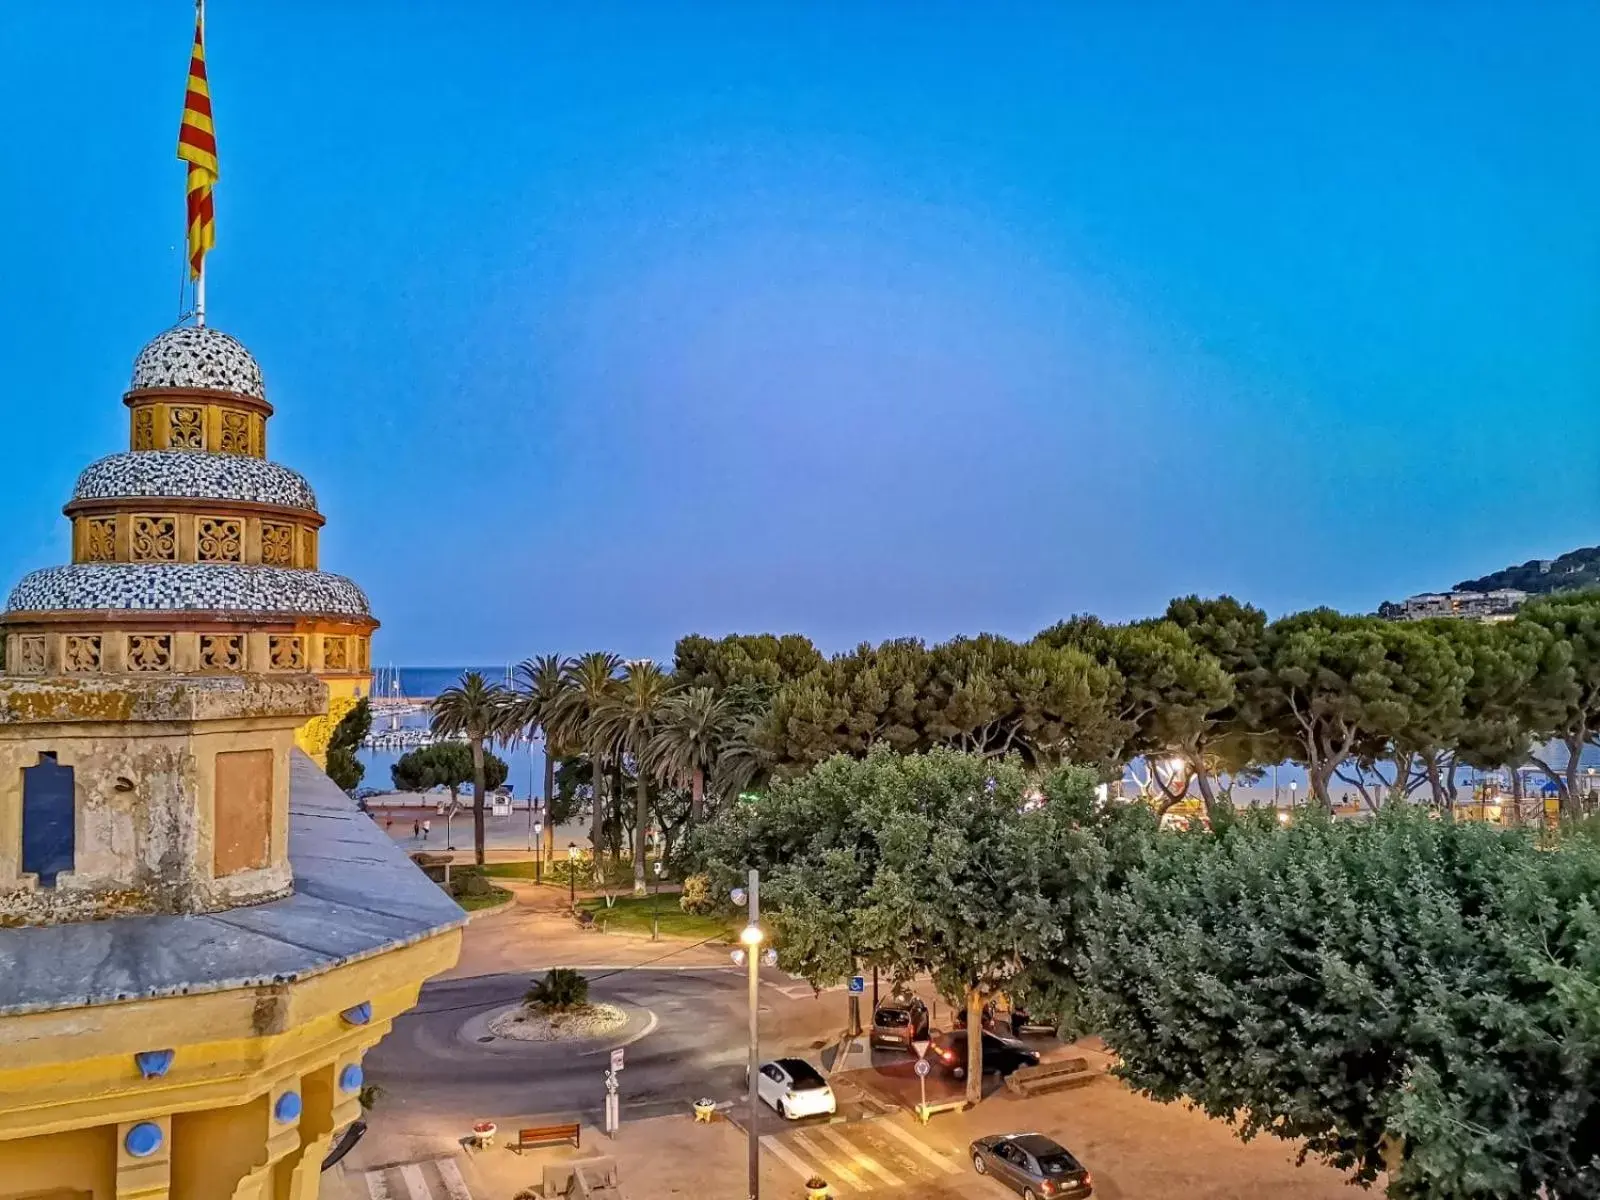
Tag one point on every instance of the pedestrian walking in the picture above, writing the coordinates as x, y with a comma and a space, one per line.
416, 830
427, 828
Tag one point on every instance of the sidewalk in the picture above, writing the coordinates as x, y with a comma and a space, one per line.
656, 1157
536, 934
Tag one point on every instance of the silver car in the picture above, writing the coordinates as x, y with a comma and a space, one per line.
1033, 1165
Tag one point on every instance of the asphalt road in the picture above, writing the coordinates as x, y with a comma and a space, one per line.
687, 1036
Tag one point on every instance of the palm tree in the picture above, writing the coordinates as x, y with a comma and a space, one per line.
694, 727
481, 712
630, 721
743, 758
541, 684
590, 680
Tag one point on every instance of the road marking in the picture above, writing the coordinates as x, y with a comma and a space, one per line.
865, 1161
779, 1152
451, 1176
838, 1168
921, 1147
377, 1188
415, 1183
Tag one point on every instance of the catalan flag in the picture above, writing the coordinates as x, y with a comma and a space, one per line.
197, 146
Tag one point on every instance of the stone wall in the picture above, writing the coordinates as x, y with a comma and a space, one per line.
179, 792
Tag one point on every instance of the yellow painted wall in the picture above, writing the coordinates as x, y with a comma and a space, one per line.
343, 692
82, 1163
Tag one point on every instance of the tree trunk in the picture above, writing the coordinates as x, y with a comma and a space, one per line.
641, 829
478, 788
1569, 794
1319, 778
697, 795
1442, 799
549, 794
974, 1045
598, 817
1203, 782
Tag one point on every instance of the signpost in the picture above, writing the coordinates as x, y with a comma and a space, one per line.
920, 1045
613, 1105
858, 984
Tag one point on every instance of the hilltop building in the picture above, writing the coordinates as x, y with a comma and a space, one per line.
1498, 605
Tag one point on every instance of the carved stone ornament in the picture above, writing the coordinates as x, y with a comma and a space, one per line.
155, 539
219, 539
149, 651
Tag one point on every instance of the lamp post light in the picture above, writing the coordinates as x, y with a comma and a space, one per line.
572, 875
750, 938
538, 860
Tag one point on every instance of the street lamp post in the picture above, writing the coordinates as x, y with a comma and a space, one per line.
530, 817
572, 875
655, 903
538, 860
751, 938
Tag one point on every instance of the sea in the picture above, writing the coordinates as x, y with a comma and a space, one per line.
526, 763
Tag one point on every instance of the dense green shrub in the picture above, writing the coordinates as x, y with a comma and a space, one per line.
697, 898
561, 990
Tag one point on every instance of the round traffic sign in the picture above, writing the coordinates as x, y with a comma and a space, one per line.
922, 1066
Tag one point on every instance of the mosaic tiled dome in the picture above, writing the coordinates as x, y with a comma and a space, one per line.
198, 356
192, 474
187, 587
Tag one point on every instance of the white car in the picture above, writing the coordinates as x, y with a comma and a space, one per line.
795, 1089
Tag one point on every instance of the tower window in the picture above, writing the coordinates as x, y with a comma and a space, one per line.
48, 833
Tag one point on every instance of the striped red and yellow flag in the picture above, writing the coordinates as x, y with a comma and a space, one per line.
197, 146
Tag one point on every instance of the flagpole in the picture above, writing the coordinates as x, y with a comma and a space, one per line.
200, 283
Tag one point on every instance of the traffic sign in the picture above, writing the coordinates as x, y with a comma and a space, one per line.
920, 1045
858, 984
922, 1068
616, 1059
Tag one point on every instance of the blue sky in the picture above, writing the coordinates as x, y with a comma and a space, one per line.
596, 324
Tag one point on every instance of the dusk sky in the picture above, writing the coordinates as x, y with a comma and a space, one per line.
595, 324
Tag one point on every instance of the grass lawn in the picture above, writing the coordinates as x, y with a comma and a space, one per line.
631, 914
512, 870
495, 896
619, 875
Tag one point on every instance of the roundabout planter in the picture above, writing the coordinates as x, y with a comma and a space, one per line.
483, 1134
704, 1109
816, 1188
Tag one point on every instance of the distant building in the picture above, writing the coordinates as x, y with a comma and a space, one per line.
1500, 604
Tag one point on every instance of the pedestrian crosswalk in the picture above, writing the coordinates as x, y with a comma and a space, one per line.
862, 1157
432, 1179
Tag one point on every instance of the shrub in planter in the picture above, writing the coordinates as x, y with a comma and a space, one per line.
561, 990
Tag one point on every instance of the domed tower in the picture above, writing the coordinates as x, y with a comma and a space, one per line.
193, 553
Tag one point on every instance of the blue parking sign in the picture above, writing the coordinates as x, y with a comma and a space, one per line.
858, 984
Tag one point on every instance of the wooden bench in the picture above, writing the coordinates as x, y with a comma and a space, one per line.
548, 1135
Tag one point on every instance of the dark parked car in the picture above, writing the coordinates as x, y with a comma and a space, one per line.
899, 1022
1032, 1164
1017, 1018
1002, 1054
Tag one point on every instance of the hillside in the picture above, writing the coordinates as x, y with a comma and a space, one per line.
1574, 569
